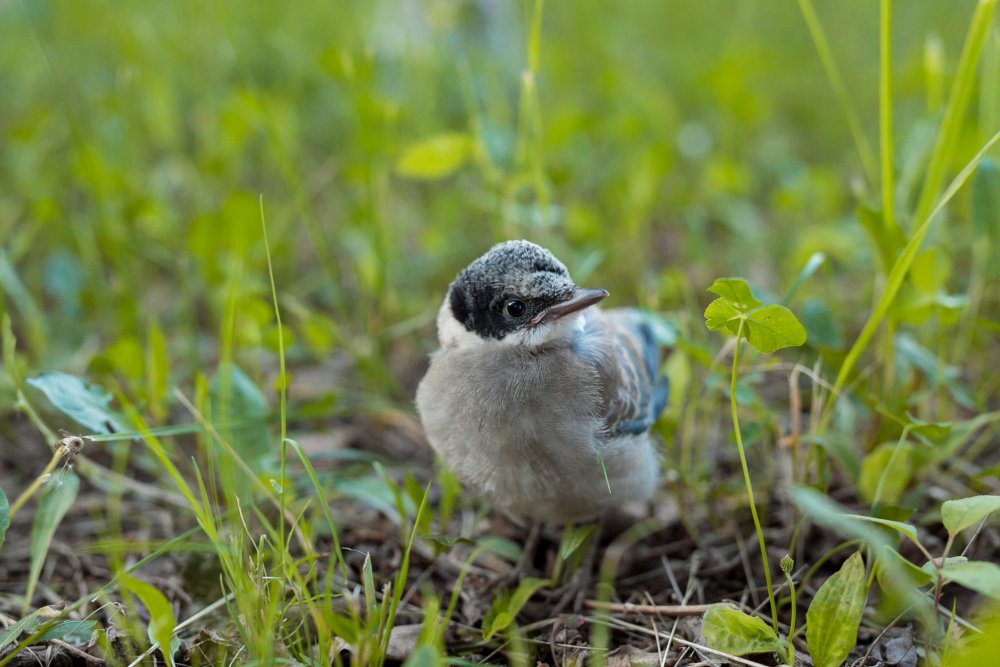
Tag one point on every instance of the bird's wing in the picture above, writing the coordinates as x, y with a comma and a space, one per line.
625, 350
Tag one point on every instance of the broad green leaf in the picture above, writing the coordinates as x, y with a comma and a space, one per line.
772, 328
721, 313
436, 157
161, 614
85, 403
887, 471
980, 576
767, 328
957, 515
58, 495
835, 614
736, 292
735, 632
4, 516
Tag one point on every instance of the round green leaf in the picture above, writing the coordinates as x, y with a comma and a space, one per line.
772, 328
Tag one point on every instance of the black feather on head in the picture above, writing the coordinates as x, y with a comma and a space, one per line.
509, 271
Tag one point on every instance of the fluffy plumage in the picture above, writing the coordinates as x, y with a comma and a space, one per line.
525, 409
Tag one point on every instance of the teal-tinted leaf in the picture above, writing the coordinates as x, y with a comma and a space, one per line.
985, 205
957, 515
58, 495
826, 512
501, 546
772, 328
161, 614
735, 632
84, 402
835, 614
736, 292
371, 491
821, 328
436, 157
721, 313
73, 632
239, 402
979, 576
4, 516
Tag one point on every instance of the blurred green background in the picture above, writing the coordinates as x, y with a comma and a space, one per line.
651, 145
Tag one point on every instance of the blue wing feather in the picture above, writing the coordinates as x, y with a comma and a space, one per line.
626, 352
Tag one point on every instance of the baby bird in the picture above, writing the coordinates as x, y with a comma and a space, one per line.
538, 400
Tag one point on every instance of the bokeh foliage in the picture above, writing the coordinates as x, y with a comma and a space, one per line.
658, 146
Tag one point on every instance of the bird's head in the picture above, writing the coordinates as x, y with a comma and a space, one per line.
518, 293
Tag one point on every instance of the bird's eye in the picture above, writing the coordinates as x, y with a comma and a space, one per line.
515, 308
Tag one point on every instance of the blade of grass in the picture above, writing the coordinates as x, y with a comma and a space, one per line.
896, 277
885, 115
954, 113
865, 152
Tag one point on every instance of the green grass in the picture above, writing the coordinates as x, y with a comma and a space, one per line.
238, 220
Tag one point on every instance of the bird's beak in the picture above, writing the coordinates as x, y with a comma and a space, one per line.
579, 298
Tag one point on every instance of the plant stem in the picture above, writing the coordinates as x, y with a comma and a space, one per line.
791, 625
746, 477
37, 483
